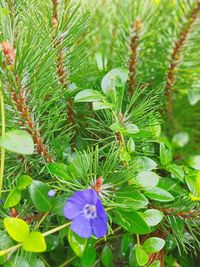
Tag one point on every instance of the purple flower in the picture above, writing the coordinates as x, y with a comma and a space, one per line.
87, 214
51, 193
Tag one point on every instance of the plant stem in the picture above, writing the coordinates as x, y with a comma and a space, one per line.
54, 230
138, 240
2, 134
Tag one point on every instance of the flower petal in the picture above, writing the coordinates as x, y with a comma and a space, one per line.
101, 211
81, 226
99, 227
73, 208
88, 196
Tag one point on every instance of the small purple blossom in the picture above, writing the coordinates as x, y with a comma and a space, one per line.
51, 193
87, 214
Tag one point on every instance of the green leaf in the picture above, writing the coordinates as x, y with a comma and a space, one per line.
89, 256
114, 78
153, 244
153, 216
194, 95
126, 244
131, 129
155, 264
131, 145
60, 170
23, 182
181, 139
102, 105
194, 162
107, 256
132, 257
18, 141
131, 199
147, 180
35, 243
145, 164
159, 194
141, 256
165, 154
124, 155
58, 204
77, 243
17, 261
17, 229
52, 241
133, 222
88, 95
39, 196
79, 165
12, 199
5, 242
176, 170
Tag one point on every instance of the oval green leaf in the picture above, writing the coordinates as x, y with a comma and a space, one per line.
147, 180
39, 196
159, 194
141, 256
17, 229
153, 244
13, 198
77, 243
18, 141
153, 217
23, 182
35, 243
106, 256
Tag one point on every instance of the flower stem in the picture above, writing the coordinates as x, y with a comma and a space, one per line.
54, 230
2, 134
138, 240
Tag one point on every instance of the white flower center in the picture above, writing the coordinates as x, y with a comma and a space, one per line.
89, 211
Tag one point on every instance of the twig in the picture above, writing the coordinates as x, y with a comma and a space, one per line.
3, 126
175, 60
133, 58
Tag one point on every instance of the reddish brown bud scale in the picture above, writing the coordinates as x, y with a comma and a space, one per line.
14, 213
98, 185
8, 51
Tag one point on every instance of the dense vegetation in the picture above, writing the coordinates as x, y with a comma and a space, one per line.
100, 131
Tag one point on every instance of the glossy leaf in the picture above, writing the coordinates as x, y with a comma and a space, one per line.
18, 141
176, 170
131, 199
194, 162
153, 244
147, 180
155, 264
13, 198
131, 145
34, 243
153, 216
89, 256
39, 196
60, 170
114, 78
17, 229
141, 256
133, 222
126, 244
165, 154
181, 139
132, 257
124, 155
23, 182
102, 105
106, 256
88, 95
159, 194
77, 243
131, 129
17, 261
145, 164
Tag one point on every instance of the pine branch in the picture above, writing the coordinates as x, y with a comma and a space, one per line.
133, 58
62, 74
175, 60
20, 101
